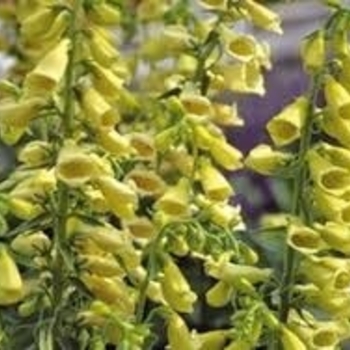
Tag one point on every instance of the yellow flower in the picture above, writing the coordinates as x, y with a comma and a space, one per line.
336, 127
120, 197
97, 110
113, 142
219, 295
30, 244
213, 4
285, 127
101, 48
176, 290
226, 115
35, 153
10, 281
327, 272
215, 186
337, 98
262, 17
264, 160
332, 179
212, 340
179, 336
140, 227
336, 235
24, 209
74, 166
196, 104
313, 51
233, 273
104, 266
175, 200
290, 340
104, 14
225, 155
244, 48
305, 239
49, 72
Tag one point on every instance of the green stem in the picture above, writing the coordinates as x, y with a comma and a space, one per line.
299, 184
62, 204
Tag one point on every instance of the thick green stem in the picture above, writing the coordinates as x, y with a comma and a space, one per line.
62, 204
299, 184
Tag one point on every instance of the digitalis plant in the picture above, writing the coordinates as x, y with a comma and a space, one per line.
120, 181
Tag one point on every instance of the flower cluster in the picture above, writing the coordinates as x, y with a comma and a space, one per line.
314, 300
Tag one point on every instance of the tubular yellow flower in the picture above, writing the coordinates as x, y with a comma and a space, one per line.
313, 51
113, 142
104, 14
336, 155
24, 209
140, 227
213, 340
102, 50
11, 281
31, 244
179, 336
110, 290
337, 128
37, 23
144, 145
226, 115
233, 273
305, 239
215, 186
35, 153
291, 341
19, 114
241, 77
121, 198
336, 235
285, 127
264, 160
74, 166
226, 155
147, 181
243, 48
176, 290
337, 97
104, 266
327, 272
49, 72
175, 200
330, 178
196, 104
219, 295
98, 111
105, 81
262, 17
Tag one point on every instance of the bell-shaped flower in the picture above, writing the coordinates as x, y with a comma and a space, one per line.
31, 244
113, 142
285, 127
178, 334
104, 14
214, 184
35, 153
176, 199
225, 115
140, 227
327, 272
336, 235
265, 160
330, 178
176, 290
290, 341
313, 51
219, 295
305, 239
104, 266
336, 127
262, 17
121, 198
49, 71
243, 48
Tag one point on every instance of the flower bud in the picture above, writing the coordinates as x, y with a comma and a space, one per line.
178, 334
219, 295
31, 244
313, 51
